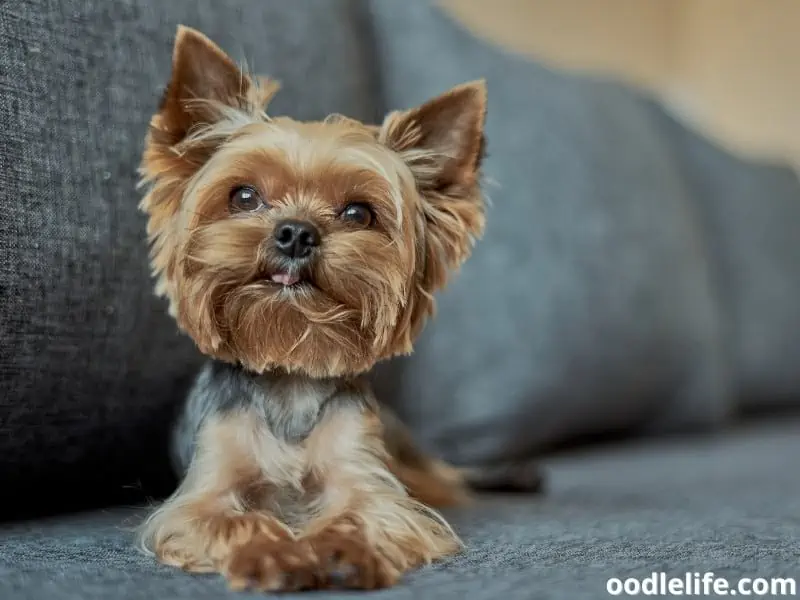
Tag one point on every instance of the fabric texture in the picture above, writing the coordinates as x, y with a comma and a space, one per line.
750, 216
633, 278
725, 505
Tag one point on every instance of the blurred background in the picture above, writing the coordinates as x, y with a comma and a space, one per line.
637, 285
726, 68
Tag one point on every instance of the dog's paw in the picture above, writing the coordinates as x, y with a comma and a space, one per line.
201, 545
326, 561
347, 562
224, 534
188, 557
272, 566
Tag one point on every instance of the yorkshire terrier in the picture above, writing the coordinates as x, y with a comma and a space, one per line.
296, 255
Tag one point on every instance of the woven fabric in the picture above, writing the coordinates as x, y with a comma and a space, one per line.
727, 505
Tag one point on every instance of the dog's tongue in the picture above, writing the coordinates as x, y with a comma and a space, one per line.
285, 278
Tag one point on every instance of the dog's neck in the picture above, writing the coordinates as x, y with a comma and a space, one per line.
290, 403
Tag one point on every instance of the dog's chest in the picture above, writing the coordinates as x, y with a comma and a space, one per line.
292, 427
288, 412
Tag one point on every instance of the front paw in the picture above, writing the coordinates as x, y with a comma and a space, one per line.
325, 561
202, 544
348, 562
271, 566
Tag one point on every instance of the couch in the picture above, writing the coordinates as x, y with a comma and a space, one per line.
629, 318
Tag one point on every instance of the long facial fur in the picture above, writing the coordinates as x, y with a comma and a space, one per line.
372, 288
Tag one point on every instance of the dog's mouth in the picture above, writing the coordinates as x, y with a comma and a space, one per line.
287, 276
290, 279
286, 279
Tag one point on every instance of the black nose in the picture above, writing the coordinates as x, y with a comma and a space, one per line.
296, 239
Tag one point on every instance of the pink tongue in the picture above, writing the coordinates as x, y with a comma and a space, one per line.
285, 278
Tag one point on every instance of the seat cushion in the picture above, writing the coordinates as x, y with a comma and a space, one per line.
725, 504
633, 278
590, 305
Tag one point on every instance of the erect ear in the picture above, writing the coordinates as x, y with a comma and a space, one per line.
442, 140
206, 89
202, 74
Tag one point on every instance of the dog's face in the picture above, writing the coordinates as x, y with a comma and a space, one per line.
313, 247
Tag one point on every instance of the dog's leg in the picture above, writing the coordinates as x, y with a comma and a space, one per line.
219, 505
431, 481
436, 483
368, 531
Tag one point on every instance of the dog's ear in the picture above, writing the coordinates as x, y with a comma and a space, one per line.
442, 141
203, 78
207, 98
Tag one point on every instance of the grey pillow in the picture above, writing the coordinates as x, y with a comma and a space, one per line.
752, 218
90, 365
599, 300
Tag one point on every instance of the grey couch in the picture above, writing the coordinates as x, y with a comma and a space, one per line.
630, 312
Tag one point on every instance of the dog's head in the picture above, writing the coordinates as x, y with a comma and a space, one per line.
309, 246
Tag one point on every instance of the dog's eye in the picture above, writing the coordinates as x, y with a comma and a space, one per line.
244, 199
358, 213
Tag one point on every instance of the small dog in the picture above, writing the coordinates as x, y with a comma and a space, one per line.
296, 255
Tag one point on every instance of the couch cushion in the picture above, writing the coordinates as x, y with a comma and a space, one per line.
750, 214
724, 505
588, 307
633, 278
90, 365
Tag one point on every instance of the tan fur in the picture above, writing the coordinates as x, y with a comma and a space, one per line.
335, 509
419, 171
427, 479
250, 503
436, 484
211, 511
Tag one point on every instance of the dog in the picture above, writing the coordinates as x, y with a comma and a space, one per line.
297, 255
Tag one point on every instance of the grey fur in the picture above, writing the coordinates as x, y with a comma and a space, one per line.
291, 405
